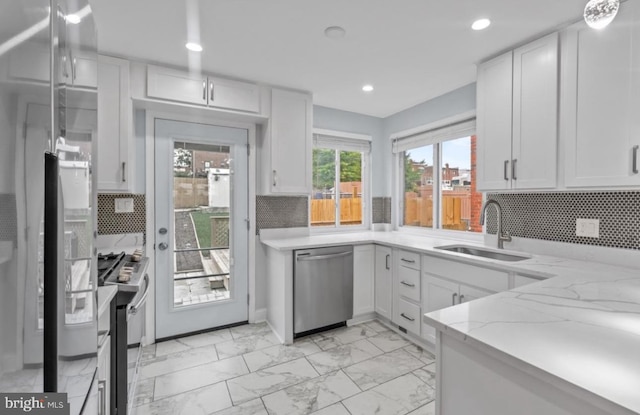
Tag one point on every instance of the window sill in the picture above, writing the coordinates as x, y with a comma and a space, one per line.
328, 230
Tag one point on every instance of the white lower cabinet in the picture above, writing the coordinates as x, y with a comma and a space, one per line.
383, 281
409, 316
363, 279
407, 291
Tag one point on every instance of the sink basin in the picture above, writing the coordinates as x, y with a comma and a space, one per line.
481, 252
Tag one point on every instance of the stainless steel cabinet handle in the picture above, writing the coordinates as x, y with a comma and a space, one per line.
204, 90
275, 180
409, 261
513, 169
162, 246
506, 168
461, 298
64, 66
386, 261
102, 392
407, 317
634, 168
74, 72
407, 284
453, 298
210, 91
124, 170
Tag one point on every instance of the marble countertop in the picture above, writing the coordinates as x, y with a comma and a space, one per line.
581, 324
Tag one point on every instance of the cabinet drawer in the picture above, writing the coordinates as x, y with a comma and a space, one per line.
409, 283
409, 259
409, 316
485, 278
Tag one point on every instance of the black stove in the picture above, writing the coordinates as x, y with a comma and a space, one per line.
107, 263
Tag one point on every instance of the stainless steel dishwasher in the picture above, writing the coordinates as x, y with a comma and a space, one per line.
322, 288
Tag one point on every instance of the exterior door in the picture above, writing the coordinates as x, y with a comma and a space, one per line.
201, 187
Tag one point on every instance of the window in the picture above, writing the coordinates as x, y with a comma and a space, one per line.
339, 180
437, 178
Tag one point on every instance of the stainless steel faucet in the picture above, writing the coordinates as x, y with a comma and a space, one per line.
502, 236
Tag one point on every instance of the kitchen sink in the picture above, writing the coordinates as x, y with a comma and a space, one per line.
485, 253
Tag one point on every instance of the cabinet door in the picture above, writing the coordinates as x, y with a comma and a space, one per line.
175, 85
29, 61
363, 279
436, 295
535, 114
84, 70
383, 282
409, 283
115, 149
234, 95
600, 82
470, 293
104, 377
291, 124
494, 104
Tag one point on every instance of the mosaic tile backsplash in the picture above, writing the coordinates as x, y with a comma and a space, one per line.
110, 222
552, 216
381, 210
8, 217
281, 212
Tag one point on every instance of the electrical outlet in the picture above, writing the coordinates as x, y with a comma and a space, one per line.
124, 205
589, 228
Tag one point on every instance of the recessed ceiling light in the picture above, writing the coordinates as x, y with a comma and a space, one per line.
73, 18
193, 47
367, 88
481, 24
335, 32
599, 13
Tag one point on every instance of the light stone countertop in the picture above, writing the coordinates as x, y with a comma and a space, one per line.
580, 325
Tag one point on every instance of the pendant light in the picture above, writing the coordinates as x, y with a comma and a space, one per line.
599, 13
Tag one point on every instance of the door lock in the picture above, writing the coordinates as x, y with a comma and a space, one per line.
162, 246
162, 231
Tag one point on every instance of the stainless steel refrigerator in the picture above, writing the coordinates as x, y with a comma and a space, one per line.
48, 113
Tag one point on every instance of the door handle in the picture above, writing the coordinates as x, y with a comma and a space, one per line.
513, 169
386, 261
204, 90
162, 246
461, 298
634, 168
275, 178
210, 91
453, 298
318, 257
506, 168
124, 171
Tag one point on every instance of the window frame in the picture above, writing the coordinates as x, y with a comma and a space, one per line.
420, 137
357, 140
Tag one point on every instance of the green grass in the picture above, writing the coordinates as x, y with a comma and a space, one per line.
202, 223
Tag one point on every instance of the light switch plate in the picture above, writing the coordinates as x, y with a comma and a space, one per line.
124, 205
589, 228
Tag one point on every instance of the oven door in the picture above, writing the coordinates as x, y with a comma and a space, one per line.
136, 311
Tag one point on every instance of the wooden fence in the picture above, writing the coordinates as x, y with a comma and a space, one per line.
190, 192
323, 211
456, 210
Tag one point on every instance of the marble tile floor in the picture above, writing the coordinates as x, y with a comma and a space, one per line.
358, 370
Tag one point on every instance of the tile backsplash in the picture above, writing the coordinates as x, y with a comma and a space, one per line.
552, 216
381, 210
110, 222
281, 212
8, 217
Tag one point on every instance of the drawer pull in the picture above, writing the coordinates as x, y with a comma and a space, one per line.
453, 298
408, 284
634, 168
408, 261
386, 261
408, 318
506, 168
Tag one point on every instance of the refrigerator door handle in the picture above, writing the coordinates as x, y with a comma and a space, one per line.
50, 271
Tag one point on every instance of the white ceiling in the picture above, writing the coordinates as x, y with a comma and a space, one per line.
410, 50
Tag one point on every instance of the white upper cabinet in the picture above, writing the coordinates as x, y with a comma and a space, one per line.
83, 69
200, 89
517, 118
601, 102
115, 124
286, 145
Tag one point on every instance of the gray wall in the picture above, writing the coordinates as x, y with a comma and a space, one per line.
351, 122
452, 103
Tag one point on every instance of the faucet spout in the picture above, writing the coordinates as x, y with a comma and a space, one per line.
502, 236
